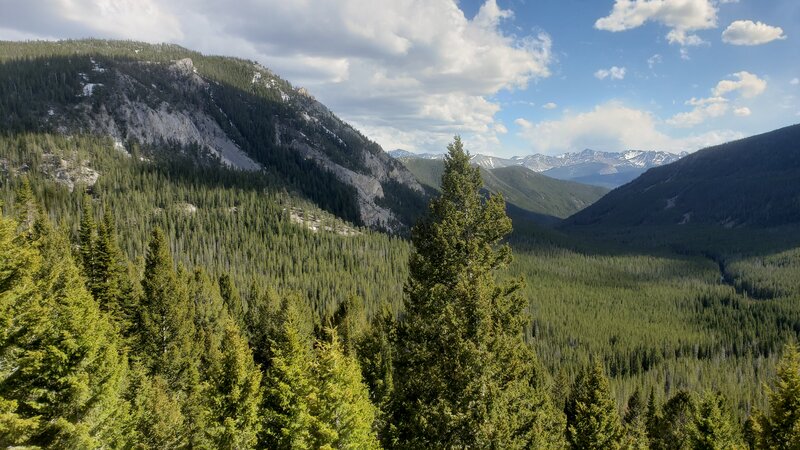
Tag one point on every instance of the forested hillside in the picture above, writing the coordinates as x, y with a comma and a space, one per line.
752, 182
238, 111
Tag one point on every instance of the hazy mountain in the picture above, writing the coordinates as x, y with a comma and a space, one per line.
749, 182
608, 169
549, 199
237, 112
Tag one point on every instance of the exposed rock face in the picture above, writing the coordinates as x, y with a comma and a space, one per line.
154, 103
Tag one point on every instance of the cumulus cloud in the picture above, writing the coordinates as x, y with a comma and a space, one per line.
746, 84
549, 105
747, 32
414, 71
612, 127
129, 19
614, 73
683, 17
704, 108
794, 81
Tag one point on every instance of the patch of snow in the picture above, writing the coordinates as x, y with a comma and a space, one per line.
51, 112
83, 76
88, 88
284, 96
686, 218
333, 135
671, 202
256, 77
309, 118
96, 67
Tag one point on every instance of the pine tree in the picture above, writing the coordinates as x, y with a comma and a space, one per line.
61, 367
235, 394
592, 419
233, 301
781, 428
166, 328
375, 356
289, 384
343, 413
672, 429
110, 285
713, 428
157, 420
350, 321
464, 377
86, 241
635, 423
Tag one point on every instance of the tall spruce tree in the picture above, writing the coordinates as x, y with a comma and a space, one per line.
86, 240
343, 413
592, 419
289, 383
62, 370
235, 393
780, 429
713, 428
166, 326
464, 377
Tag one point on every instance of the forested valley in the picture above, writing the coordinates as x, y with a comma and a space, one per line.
152, 297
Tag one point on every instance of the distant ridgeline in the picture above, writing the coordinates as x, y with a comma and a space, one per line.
752, 182
530, 195
164, 98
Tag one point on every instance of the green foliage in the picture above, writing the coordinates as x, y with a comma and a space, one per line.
673, 427
342, 409
713, 428
165, 322
236, 394
592, 418
780, 429
289, 384
463, 375
62, 369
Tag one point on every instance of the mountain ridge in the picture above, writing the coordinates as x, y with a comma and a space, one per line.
236, 111
607, 169
751, 182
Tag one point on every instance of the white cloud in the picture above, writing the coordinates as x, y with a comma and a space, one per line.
408, 73
611, 126
747, 32
683, 17
794, 81
653, 60
549, 105
614, 73
703, 109
522, 123
747, 85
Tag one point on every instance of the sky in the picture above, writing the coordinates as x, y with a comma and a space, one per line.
512, 77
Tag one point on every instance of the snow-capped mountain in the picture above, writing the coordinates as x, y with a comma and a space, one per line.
609, 169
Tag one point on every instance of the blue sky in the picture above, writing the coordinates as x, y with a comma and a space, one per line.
513, 77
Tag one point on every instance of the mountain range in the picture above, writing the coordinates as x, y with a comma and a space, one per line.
752, 182
607, 169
